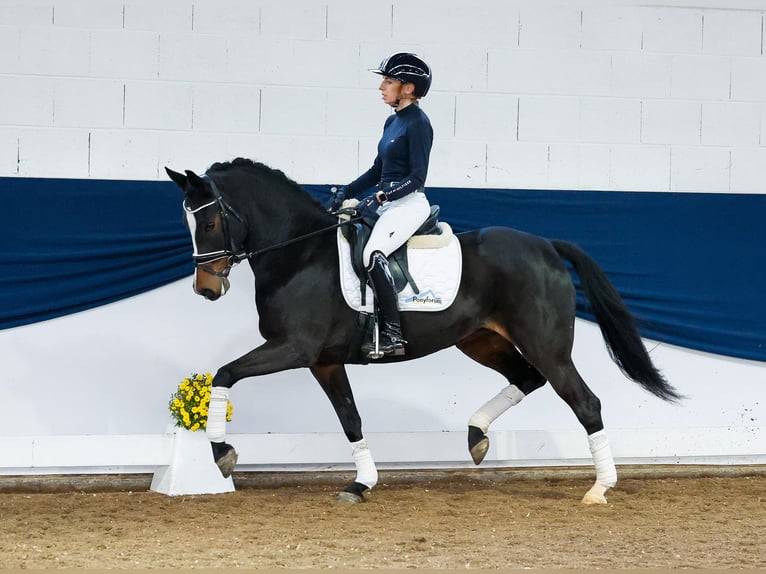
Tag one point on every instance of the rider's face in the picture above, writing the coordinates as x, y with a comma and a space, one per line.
392, 90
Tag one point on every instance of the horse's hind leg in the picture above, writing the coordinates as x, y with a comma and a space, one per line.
335, 384
570, 386
493, 351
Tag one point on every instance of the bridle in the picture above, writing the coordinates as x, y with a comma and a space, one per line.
232, 254
227, 213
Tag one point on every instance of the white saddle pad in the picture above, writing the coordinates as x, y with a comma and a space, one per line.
435, 270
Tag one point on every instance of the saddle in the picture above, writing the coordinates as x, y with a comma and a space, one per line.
358, 233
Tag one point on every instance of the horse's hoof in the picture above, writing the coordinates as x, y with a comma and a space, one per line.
478, 444
227, 462
349, 497
595, 495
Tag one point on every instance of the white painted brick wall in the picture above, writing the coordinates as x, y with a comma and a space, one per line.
582, 95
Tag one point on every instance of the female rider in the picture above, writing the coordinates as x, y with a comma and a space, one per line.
398, 175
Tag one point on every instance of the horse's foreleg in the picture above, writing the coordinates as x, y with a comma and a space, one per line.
271, 357
224, 454
334, 382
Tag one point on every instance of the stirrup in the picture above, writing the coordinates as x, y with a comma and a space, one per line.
388, 341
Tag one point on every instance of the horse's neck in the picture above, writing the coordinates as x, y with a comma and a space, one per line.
277, 212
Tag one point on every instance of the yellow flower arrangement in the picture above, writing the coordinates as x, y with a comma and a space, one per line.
189, 404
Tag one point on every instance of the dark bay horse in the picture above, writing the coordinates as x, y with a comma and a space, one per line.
514, 311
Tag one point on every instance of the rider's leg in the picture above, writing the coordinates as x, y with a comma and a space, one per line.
397, 222
391, 340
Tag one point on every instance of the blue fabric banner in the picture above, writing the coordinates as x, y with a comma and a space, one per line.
690, 266
71, 245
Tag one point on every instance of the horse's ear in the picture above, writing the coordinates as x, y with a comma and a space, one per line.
179, 178
194, 180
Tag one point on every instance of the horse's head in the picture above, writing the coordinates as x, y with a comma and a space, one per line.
216, 230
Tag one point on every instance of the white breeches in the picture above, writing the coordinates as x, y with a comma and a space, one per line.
398, 220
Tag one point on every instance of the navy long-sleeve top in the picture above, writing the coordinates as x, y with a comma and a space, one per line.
403, 153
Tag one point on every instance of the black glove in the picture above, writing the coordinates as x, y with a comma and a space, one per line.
367, 208
337, 199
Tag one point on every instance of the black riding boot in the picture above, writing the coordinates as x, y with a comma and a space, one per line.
391, 340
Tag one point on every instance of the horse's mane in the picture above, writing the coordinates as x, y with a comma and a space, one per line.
254, 166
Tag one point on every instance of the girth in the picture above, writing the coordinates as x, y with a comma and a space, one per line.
358, 233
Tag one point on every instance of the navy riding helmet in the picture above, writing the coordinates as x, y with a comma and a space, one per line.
408, 69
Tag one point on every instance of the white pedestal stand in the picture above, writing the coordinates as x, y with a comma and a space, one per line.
192, 469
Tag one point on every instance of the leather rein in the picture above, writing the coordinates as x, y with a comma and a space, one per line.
234, 255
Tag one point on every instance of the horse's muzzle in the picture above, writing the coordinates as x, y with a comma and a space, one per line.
211, 287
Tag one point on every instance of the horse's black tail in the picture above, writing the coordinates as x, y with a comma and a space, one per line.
617, 325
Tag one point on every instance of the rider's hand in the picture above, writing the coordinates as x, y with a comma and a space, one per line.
368, 207
337, 198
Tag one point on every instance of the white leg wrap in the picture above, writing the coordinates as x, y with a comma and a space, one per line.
606, 473
216, 414
505, 399
366, 472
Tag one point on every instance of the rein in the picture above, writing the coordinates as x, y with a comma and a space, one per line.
225, 209
257, 252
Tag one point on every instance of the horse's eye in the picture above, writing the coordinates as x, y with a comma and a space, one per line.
209, 226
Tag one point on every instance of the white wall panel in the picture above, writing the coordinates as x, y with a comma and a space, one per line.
641, 75
701, 77
126, 54
26, 101
231, 17
525, 163
53, 152
192, 57
226, 108
352, 20
700, 169
664, 122
486, 117
9, 50
457, 161
26, 13
124, 154
748, 79
89, 14
608, 28
294, 19
9, 152
676, 30
542, 28
158, 105
549, 118
748, 170
293, 111
579, 165
54, 51
440, 22
173, 16
639, 168
610, 120
88, 103
732, 32
731, 124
